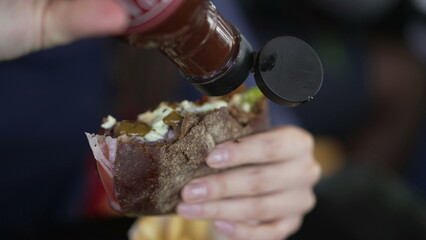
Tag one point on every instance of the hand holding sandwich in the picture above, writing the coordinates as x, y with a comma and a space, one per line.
265, 199
31, 25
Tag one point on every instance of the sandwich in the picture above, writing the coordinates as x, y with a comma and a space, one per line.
144, 163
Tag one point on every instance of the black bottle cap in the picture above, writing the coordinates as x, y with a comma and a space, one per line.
234, 77
288, 71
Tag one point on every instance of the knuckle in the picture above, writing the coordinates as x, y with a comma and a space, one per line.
257, 179
304, 137
218, 185
290, 227
274, 141
257, 209
297, 223
310, 201
314, 172
282, 230
213, 212
271, 149
275, 145
232, 153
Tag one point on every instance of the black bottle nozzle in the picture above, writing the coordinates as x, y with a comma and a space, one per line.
287, 71
234, 77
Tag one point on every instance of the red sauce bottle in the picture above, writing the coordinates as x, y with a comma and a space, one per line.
214, 56
211, 52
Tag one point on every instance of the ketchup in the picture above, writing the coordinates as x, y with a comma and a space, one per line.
193, 35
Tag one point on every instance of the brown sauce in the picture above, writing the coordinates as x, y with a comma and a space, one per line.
132, 129
173, 119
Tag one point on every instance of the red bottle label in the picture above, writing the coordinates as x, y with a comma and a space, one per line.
147, 14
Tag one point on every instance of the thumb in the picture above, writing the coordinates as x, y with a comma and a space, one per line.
68, 20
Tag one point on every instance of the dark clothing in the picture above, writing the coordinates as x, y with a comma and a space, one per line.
48, 100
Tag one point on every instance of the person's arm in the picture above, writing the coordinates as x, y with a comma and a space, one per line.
267, 197
30, 25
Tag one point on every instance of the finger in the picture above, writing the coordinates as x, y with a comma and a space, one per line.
277, 145
20, 24
65, 21
251, 181
263, 208
276, 230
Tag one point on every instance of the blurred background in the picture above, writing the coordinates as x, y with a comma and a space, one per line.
368, 119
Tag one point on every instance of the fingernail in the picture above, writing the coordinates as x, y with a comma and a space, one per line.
189, 210
195, 192
225, 228
219, 157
